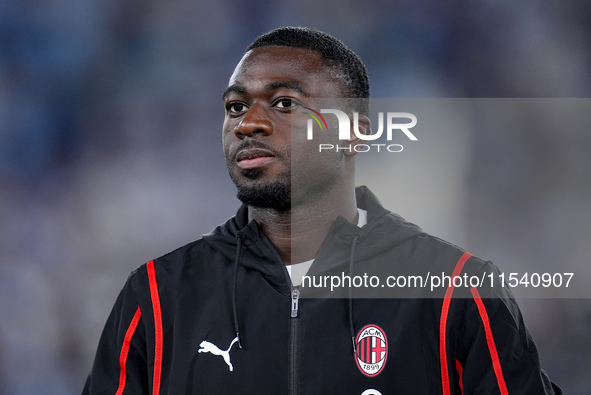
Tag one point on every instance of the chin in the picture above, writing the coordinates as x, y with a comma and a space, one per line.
252, 174
276, 195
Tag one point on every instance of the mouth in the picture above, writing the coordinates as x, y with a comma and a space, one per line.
252, 158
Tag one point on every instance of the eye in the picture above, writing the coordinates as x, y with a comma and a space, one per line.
285, 103
235, 107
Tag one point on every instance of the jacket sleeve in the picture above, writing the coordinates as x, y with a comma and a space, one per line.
120, 363
496, 353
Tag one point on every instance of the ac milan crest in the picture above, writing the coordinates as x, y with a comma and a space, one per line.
372, 350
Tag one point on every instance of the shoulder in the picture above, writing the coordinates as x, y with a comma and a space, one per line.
171, 267
436, 252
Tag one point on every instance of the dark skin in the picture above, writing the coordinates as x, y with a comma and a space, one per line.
266, 93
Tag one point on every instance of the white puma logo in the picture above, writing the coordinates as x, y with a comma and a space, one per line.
212, 348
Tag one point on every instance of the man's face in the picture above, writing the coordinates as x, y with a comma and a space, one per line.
267, 91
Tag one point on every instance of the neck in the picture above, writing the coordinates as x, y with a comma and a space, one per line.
298, 233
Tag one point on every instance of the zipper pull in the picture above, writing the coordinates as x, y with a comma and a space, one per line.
295, 297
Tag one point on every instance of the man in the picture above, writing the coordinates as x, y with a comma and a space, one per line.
222, 314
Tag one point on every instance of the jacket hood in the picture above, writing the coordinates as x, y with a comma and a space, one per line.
383, 231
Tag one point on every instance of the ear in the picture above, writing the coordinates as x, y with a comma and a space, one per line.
363, 128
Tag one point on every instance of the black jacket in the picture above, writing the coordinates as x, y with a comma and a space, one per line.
219, 316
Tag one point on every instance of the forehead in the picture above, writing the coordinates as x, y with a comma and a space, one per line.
306, 67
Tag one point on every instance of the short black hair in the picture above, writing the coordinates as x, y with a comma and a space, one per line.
334, 53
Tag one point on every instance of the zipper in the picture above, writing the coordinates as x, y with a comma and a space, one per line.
293, 339
295, 302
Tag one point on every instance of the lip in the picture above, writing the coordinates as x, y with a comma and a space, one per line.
251, 158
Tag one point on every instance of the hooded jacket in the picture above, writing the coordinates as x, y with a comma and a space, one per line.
220, 316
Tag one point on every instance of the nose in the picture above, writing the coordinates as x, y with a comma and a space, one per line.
255, 121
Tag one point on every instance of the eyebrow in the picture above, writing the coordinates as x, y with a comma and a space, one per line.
271, 86
233, 89
292, 85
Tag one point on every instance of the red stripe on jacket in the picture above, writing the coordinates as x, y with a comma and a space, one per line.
460, 370
157, 328
125, 350
490, 341
443, 324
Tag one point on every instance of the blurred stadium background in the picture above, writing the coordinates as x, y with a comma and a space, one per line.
110, 154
